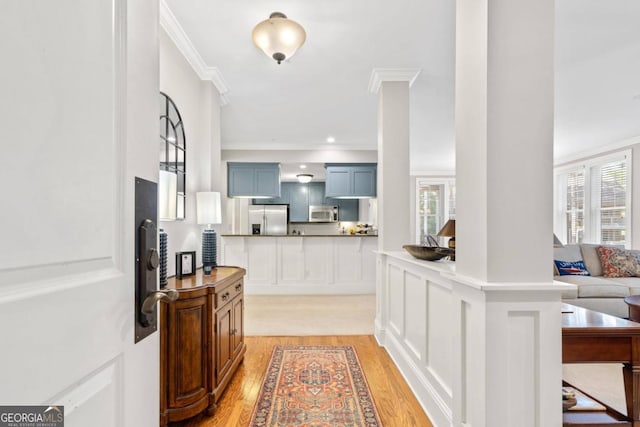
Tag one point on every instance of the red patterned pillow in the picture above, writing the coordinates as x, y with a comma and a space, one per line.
618, 262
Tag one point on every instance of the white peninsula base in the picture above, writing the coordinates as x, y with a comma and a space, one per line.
303, 265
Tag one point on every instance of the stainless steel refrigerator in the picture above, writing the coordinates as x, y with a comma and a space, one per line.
268, 219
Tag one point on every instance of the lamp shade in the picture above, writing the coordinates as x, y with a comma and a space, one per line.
208, 208
167, 196
278, 37
449, 229
556, 242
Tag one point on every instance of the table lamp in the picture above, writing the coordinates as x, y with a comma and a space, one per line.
556, 242
449, 230
208, 210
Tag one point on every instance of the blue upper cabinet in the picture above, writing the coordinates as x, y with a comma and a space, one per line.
259, 180
298, 201
351, 181
316, 193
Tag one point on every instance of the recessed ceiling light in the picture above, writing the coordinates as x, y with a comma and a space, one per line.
303, 166
331, 139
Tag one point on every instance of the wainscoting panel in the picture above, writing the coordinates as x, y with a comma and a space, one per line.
475, 353
415, 298
261, 256
522, 366
396, 300
291, 270
439, 327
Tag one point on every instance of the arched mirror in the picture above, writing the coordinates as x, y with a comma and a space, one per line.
172, 155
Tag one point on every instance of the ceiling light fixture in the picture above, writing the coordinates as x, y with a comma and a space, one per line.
331, 140
304, 177
278, 37
303, 166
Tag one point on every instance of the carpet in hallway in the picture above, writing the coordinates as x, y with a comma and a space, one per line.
314, 385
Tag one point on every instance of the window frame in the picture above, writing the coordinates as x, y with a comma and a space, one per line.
592, 196
446, 183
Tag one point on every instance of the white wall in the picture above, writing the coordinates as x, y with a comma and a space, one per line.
199, 104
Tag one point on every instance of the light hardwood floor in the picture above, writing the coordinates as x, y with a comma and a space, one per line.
395, 403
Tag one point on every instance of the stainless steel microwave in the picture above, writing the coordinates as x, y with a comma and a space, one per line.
323, 213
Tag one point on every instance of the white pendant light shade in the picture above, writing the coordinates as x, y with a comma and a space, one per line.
167, 196
208, 208
279, 37
304, 177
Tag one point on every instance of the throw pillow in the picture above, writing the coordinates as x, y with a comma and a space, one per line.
571, 268
618, 262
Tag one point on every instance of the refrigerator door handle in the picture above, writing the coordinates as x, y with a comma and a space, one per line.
265, 224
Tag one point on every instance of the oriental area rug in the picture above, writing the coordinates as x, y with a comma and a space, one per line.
314, 386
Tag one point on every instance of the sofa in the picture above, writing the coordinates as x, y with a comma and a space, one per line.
596, 291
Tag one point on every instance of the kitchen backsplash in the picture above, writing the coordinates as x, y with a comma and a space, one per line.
341, 227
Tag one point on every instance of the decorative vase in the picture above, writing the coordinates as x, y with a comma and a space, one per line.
209, 250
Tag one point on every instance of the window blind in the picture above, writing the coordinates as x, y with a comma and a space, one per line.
430, 210
593, 201
613, 180
575, 207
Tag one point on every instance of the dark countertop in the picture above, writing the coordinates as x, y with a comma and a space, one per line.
299, 235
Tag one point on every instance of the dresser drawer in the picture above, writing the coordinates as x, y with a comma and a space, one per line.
227, 293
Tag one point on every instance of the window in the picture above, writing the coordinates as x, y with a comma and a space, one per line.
593, 201
435, 205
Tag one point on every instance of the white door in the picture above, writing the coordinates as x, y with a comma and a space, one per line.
79, 119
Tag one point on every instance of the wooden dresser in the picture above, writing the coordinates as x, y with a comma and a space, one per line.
201, 342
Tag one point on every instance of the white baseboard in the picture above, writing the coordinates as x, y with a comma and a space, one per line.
433, 404
307, 289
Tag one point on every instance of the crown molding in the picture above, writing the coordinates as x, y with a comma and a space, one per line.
379, 75
443, 174
175, 32
607, 148
298, 147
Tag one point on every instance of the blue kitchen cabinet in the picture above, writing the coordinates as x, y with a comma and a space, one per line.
298, 201
353, 181
259, 180
316, 193
284, 198
348, 209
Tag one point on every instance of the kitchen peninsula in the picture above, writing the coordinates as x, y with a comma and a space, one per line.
303, 264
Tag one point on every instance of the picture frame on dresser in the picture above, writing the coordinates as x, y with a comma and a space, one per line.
185, 264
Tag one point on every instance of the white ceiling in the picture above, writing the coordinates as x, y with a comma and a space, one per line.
322, 90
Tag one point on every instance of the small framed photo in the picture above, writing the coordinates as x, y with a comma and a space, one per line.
185, 264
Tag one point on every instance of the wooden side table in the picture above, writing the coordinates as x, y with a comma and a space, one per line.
634, 307
592, 337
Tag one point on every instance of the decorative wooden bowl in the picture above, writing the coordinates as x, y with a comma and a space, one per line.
427, 253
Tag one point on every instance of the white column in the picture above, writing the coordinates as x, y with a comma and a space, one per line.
504, 139
392, 87
506, 308
393, 187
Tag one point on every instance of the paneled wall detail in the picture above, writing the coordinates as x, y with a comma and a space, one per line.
303, 265
475, 354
